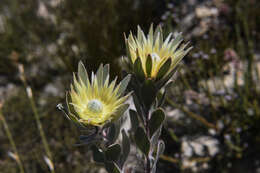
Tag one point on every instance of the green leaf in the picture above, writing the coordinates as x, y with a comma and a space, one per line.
127, 47
151, 34
164, 69
138, 106
176, 42
148, 93
138, 69
149, 65
82, 73
159, 84
140, 35
120, 111
125, 148
156, 120
111, 134
124, 84
155, 138
100, 75
105, 72
166, 42
134, 119
142, 141
161, 98
113, 152
160, 150
98, 155
114, 130
158, 33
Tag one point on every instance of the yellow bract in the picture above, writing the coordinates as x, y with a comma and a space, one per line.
154, 46
96, 101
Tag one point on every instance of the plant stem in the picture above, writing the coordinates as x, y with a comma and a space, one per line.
10, 137
42, 134
148, 164
37, 118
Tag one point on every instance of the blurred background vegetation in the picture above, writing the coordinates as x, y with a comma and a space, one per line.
213, 107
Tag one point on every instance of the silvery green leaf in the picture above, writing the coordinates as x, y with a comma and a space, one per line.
160, 150
179, 55
138, 69
166, 41
120, 111
139, 34
159, 84
164, 69
105, 72
134, 119
118, 125
114, 130
99, 75
135, 84
113, 152
125, 148
124, 84
151, 34
156, 120
158, 35
111, 133
138, 106
176, 42
161, 98
155, 138
127, 46
148, 93
82, 73
142, 141
149, 65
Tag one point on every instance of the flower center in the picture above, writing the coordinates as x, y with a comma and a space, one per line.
95, 106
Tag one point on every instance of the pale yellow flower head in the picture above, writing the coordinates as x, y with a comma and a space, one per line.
96, 101
157, 50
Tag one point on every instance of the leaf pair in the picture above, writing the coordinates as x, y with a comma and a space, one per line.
114, 156
142, 139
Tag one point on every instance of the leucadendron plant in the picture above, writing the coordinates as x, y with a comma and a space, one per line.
152, 61
96, 105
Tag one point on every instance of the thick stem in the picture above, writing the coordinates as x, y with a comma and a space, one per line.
148, 164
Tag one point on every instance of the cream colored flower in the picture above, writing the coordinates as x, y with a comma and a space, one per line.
152, 48
96, 101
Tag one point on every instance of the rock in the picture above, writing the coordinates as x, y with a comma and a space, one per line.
202, 12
